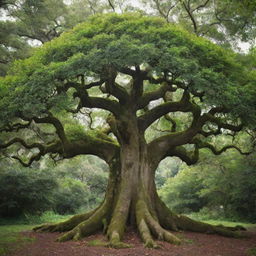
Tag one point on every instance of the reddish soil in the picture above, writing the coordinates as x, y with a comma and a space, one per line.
194, 244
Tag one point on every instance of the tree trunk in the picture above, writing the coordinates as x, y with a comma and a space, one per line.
131, 199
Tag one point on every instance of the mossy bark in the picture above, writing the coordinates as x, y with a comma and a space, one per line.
131, 199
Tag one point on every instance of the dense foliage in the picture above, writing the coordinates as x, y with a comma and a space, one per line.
25, 192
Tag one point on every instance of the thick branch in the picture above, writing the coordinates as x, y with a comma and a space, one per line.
208, 117
102, 103
94, 102
109, 76
189, 157
152, 115
163, 144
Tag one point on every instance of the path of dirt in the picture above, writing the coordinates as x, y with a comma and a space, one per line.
195, 244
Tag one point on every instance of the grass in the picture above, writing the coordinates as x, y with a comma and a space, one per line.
251, 252
10, 237
230, 223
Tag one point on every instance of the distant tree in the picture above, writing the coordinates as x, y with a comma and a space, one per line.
222, 186
221, 20
25, 192
138, 71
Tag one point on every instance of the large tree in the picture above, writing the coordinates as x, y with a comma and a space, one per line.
131, 71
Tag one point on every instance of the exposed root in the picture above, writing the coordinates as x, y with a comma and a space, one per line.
92, 224
65, 225
147, 223
143, 227
115, 241
184, 223
146, 235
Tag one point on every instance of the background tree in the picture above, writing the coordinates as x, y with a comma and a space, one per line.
226, 22
217, 187
66, 187
28, 23
137, 70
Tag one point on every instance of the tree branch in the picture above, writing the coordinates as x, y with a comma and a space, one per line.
111, 5
31, 160
190, 14
215, 151
23, 143
50, 119
201, 6
15, 127
94, 102
184, 105
189, 157
172, 140
161, 12
112, 87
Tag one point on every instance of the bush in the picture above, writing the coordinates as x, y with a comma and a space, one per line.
70, 196
25, 191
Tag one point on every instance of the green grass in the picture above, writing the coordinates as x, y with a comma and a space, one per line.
251, 252
10, 237
230, 223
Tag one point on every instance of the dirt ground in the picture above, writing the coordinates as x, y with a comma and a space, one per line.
194, 244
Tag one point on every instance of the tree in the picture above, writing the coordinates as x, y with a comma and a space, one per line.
25, 191
28, 23
137, 70
222, 20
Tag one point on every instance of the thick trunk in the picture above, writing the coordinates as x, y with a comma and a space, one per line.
131, 199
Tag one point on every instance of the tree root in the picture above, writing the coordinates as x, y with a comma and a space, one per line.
147, 225
95, 222
65, 225
181, 222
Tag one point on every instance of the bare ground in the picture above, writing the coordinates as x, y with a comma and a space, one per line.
194, 244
